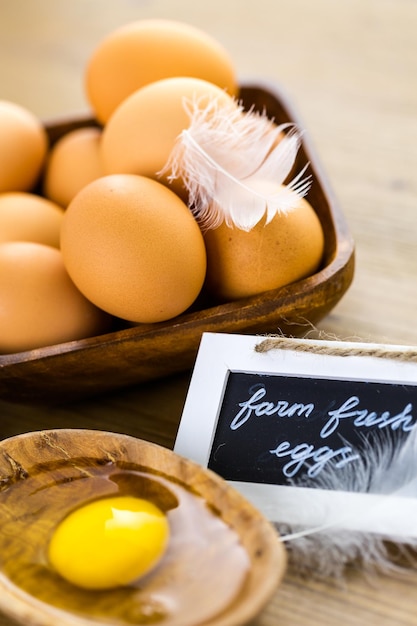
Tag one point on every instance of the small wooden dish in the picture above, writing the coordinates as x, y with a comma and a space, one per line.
33, 463
129, 356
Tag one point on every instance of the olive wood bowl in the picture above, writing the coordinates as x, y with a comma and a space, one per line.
131, 355
62, 460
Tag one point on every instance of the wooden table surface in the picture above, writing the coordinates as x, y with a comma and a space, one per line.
350, 69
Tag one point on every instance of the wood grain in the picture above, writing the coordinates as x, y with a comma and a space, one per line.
90, 366
349, 68
55, 471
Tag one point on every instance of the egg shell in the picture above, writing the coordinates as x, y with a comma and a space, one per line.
26, 216
73, 162
133, 248
39, 304
145, 51
141, 133
23, 147
244, 263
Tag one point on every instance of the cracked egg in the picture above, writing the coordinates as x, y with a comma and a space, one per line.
222, 562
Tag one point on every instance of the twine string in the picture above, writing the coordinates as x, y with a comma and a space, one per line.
337, 348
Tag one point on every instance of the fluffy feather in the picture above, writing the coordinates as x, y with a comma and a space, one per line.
382, 470
229, 159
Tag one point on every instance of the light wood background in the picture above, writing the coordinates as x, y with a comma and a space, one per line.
350, 68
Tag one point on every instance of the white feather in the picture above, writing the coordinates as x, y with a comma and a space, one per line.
387, 475
229, 159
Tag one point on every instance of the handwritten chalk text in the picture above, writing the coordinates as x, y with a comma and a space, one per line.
369, 419
348, 410
282, 408
314, 459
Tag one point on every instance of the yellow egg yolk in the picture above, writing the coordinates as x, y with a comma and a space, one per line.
109, 542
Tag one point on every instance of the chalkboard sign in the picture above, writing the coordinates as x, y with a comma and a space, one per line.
267, 421
278, 428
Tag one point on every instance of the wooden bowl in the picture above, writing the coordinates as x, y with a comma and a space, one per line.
128, 356
45, 473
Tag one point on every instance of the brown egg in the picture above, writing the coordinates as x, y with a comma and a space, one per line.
39, 304
73, 162
133, 248
145, 51
26, 216
23, 147
244, 263
141, 133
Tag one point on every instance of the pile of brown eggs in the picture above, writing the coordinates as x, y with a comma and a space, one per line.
107, 236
